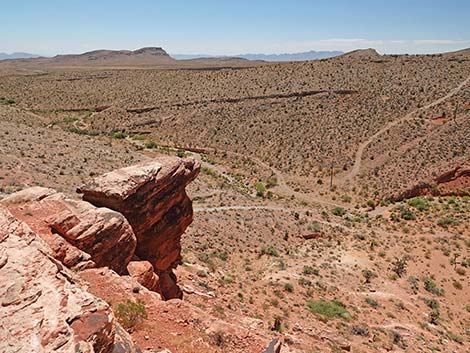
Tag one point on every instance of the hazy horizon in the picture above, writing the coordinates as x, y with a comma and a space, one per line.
228, 28
200, 54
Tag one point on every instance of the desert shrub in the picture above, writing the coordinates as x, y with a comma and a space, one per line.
414, 284
150, 144
360, 330
432, 303
277, 326
260, 189
181, 153
218, 338
397, 338
227, 279
79, 131
338, 211
204, 257
399, 266
434, 317
372, 302
419, 203
455, 338
271, 182
314, 227
130, 314
288, 287
270, 251
460, 271
118, 135
208, 171
222, 255
431, 287
406, 214
368, 274
304, 282
68, 120
6, 101
309, 270
447, 221
329, 309
202, 273
137, 137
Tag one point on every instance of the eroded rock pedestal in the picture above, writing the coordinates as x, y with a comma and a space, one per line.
153, 199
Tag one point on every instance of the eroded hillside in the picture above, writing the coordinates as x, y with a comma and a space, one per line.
331, 211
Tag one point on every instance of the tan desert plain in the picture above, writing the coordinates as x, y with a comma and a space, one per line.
149, 204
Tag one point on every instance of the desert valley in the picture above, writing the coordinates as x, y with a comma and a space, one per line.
149, 204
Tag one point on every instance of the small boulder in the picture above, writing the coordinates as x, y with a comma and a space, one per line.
142, 272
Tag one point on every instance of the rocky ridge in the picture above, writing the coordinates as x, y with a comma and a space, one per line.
44, 236
65, 264
43, 308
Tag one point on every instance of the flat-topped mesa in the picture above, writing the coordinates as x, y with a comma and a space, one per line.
153, 198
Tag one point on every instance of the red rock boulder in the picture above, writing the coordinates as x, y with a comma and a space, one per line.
143, 273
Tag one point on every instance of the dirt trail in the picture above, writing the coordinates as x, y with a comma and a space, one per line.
282, 188
410, 116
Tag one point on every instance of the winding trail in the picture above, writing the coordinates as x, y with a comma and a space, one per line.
410, 116
282, 188
244, 208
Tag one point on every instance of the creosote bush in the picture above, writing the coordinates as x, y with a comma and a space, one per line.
130, 314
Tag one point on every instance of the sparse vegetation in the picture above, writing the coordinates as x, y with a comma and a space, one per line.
329, 309
131, 314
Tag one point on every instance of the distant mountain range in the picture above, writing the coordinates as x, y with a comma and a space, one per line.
5, 56
309, 55
155, 57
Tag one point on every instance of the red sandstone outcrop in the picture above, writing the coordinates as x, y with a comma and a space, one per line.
43, 309
454, 182
76, 231
152, 197
46, 307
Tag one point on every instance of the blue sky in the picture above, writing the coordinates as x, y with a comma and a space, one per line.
235, 26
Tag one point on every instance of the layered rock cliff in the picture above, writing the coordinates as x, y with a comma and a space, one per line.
44, 235
153, 199
63, 260
80, 235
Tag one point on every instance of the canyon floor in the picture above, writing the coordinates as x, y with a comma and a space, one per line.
332, 210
